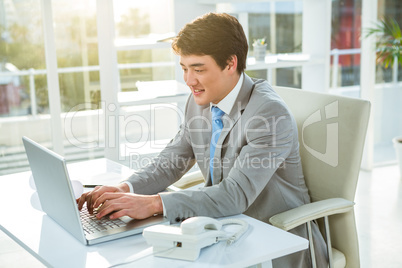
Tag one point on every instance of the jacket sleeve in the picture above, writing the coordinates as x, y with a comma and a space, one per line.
270, 139
168, 167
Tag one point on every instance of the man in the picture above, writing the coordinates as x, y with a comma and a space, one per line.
238, 131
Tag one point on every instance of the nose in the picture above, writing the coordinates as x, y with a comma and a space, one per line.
190, 79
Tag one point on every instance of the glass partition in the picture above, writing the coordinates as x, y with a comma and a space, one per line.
75, 38
388, 95
24, 104
146, 72
345, 44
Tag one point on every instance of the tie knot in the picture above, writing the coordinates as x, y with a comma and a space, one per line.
217, 113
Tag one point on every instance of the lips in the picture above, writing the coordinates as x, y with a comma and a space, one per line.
198, 91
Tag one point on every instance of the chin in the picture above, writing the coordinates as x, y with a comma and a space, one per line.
200, 102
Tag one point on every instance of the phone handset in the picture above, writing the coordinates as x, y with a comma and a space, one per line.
198, 225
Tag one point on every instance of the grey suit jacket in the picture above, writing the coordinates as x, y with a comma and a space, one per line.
257, 169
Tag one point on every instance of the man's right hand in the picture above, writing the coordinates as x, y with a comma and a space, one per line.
91, 197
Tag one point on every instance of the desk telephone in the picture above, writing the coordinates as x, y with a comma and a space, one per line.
185, 242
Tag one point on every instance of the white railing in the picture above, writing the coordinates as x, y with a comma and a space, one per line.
335, 53
32, 72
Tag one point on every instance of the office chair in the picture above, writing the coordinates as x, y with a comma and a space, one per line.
332, 131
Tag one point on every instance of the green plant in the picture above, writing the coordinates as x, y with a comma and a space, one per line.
259, 42
389, 41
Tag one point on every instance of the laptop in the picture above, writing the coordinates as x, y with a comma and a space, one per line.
57, 200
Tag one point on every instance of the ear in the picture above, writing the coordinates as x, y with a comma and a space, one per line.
232, 64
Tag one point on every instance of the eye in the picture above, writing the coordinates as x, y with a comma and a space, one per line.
198, 71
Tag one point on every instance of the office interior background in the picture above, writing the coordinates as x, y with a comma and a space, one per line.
68, 67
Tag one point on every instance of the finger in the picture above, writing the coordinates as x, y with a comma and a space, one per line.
93, 196
106, 196
81, 200
119, 213
98, 192
109, 207
89, 203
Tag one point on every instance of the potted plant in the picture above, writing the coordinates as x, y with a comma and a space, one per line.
389, 52
259, 46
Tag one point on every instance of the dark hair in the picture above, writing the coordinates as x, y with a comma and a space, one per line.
218, 35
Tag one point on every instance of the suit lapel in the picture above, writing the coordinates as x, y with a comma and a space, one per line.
231, 120
207, 124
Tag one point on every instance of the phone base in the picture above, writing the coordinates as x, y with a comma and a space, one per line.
170, 242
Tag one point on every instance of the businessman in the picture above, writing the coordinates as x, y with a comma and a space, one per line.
238, 131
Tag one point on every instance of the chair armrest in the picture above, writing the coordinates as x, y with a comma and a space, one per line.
294, 217
187, 181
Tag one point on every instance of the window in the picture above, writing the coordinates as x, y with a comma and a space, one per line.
24, 95
388, 94
23, 88
389, 9
345, 43
280, 24
141, 54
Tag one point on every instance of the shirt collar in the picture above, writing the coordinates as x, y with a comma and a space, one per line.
227, 103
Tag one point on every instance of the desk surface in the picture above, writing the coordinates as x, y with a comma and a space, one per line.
24, 222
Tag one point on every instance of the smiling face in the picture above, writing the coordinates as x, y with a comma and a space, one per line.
206, 79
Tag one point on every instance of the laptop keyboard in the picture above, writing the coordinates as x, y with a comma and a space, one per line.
91, 224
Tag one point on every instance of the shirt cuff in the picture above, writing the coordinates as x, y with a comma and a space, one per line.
129, 186
163, 207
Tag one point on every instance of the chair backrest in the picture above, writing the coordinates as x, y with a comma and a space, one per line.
332, 131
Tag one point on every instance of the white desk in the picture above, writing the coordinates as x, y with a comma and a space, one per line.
53, 246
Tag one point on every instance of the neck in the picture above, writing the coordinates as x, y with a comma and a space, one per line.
233, 81
230, 85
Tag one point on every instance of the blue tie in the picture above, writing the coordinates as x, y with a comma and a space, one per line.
217, 126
